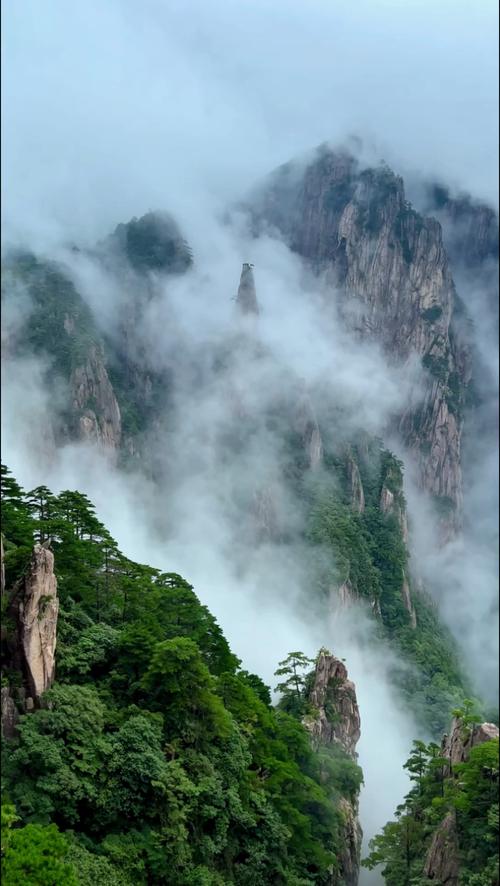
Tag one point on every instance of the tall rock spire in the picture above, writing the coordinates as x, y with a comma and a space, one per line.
247, 297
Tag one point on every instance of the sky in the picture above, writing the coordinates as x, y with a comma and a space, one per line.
113, 108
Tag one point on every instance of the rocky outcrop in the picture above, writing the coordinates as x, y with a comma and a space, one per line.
264, 513
94, 402
406, 595
151, 243
10, 715
304, 423
37, 611
350, 852
344, 595
457, 746
470, 227
393, 503
356, 491
332, 690
355, 229
336, 720
246, 299
442, 864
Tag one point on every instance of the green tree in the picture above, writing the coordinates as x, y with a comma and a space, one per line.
37, 856
293, 668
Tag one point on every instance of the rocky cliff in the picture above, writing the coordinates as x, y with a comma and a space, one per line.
30, 638
103, 389
37, 623
335, 720
457, 745
246, 298
387, 266
94, 404
443, 860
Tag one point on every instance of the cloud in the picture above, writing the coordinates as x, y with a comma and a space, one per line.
199, 517
112, 109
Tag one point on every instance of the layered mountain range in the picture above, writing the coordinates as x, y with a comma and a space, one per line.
294, 471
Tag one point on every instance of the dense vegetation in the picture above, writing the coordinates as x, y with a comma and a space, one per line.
466, 793
368, 551
154, 758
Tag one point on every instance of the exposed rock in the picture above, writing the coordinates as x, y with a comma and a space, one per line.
442, 863
457, 746
247, 296
94, 400
37, 622
386, 500
305, 424
10, 716
405, 593
332, 688
264, 512
393, 504
350, 852
344, 594
336, 720
356, 486
355, 228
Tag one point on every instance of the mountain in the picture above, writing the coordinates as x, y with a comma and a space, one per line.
354, 227
136, 746
446, 830
150, 755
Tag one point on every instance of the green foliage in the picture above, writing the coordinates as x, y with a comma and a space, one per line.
153, 243
59, 324
292, 688
469, 792
159, 760
430, 315
34, 855
368, 550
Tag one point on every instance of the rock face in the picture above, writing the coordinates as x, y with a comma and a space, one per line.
304, 423
457, 746
247, 297
333, 688
264, 513
405, 593
37, 622
10, 716
94, 402
442, 863
337, 720
356, 486
356, 230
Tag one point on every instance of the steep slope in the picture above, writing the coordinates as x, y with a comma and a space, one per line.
355, 228
153, 757
335, 720
58, 327
102, 389
446, 831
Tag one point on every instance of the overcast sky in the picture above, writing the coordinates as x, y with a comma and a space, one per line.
111, 108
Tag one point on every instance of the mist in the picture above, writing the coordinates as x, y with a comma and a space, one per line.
196, 521
113, 109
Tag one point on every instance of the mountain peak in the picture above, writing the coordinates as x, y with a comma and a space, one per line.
247, 296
